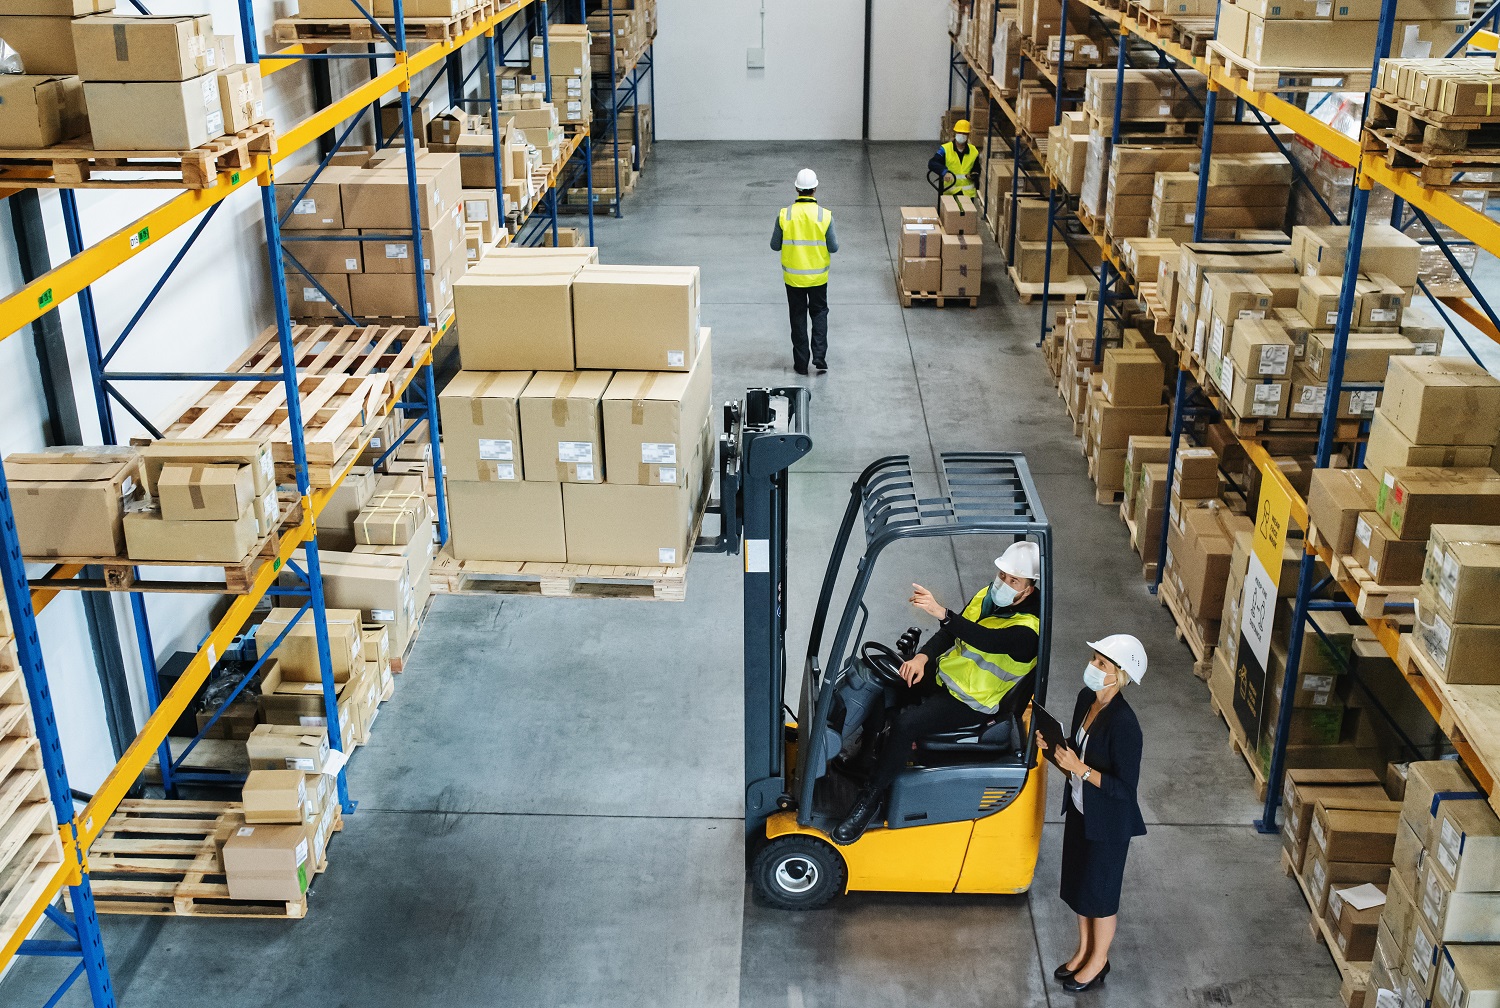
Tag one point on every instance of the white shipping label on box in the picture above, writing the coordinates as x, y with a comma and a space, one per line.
654, 453
1363, 403
666, 475
395, 250
676, 358
1362, 532
1383, 314
496, 450
1216, 342
305, 721
666, 555
313, 294
305, 206
585, 472
505, 471
477, 210
575, 451
1267, 400
1275, 358
1450, 846
352, 265
1447, 585
301, 763
1251, 313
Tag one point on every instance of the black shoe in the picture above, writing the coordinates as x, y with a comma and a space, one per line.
1075, 986
865, 807
800, 370
1063, 973
820, 366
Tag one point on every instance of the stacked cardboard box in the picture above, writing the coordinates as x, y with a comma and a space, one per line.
39, 110
1243, 191
588, 429
1127, 404
204, 510
1453, 87
633, 26
162, 83
1067, 150
1458, 618
1200, 541
1340, 34
941, 250
374, 276
1145, 503
41, 32
1439, 928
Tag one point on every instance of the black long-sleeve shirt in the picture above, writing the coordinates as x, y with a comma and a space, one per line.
1019, 642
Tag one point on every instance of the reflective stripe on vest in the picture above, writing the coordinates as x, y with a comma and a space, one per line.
960, 168
804, 244
980, 678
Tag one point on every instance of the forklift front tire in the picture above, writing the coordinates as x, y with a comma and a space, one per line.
798, 872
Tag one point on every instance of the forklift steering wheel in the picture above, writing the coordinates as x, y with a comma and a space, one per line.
883, 662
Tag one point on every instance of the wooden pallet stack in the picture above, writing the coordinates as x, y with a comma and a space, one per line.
30, 846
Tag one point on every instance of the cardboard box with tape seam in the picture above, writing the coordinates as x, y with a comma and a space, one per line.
636, 318
482, 425
562, 437
71, 501
652, 420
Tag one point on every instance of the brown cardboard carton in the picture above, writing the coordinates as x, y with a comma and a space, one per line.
1468, 976
151, 537
241, 96
154, 115
1261, 348
375, 586
1197, 474
288, 747
921, 276
317, 297
205, 492
45, 44
144, 48
960, 215
1463, 571
1468, 846
1323, 876
267, 863
1132, 377
440, 243
1412, 499
39, 110
487, 306
921, 239
1114, 425
482, 425
252, 452
377, 199
1388, 449
1366, 358
964, 253
629, 525
1334, 504
57, 8
299, 704
482, 207
1354, 929
1442, 401
313, 204
336, 522
1455, 916
1388, 560
1461, 654
638, 318
391, 519
1303, 787
1031, 263
71, 501
1355, 834
533, 526
298, 653
275, 796
1427, 781
562, 437
379, 295
1310, 394
958, 283
653, 419
1262, 397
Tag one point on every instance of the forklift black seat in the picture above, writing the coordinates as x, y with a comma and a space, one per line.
997, 736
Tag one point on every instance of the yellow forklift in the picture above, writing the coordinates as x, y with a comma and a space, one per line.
966, 815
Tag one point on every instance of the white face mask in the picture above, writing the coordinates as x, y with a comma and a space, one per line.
1093, 678
1002, 594
960, 139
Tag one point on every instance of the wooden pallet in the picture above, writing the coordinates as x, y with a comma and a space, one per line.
349, 377
1189, 630
75, 162
1155, 21
939, 300
1467, 714
1438, 168
1194, 35
1287, 79
1154, 130
1373, 596
162, 857
1067, 291
30, 847
398, 662
557, 580
1224, 707
1353, 975
429, 29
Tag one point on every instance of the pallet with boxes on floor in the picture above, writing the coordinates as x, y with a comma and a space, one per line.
587, 431
1128, 402
942, 253
141, 513
424, 21
1313, 46
127, 101
1431, 116
30, 846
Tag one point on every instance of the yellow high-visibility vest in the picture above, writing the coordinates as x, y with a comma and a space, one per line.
961, 168
980, 678
804, 244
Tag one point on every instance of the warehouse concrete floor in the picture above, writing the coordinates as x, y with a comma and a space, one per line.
551, 805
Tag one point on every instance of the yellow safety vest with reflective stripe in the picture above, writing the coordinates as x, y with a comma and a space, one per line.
961, 168
804, 244
979, 678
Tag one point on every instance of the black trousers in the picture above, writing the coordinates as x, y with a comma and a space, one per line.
933, 710
802, 302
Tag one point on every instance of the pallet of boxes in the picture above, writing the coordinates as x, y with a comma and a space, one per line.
577, 446
111, 93
942, 253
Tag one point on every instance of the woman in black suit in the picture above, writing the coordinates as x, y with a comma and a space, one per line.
1099, 804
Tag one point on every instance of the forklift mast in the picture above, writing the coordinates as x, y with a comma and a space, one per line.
763, 436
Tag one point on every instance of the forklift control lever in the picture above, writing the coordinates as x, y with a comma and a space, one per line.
906, 647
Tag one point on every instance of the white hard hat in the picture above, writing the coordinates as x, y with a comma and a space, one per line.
1125, 651
1022, 559
807, 179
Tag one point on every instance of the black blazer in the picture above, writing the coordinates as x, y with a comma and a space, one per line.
1110, 811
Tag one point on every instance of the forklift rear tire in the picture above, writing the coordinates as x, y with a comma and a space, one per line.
797, 872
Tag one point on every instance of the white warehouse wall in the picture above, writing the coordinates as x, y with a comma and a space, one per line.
812, 84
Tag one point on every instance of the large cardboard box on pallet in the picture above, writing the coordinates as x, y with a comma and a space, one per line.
275, 796
1388, 448
144, 48
1454, 915
1334, 504
152, 537
1387, 558
1428, 783
653, 419
71, 501
960, 215
1442, 401
270, 862
487, 305
532, 529
636, 318
298, 652
154, 115
562, 434
1413, 499
39, 110
1463, 570
482, 425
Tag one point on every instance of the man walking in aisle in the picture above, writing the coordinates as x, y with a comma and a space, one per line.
954, 163
804, 237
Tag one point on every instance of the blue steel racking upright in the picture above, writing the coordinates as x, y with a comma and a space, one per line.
73, 278
1425, 205
624, 86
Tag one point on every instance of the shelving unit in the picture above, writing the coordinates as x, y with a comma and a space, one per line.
401, 350
1465, 714
620, 88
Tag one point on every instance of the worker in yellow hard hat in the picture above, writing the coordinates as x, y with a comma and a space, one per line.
955, 162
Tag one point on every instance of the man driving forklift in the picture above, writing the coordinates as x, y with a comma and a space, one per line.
981, 656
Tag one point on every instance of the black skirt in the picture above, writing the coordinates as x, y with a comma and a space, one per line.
1092, 872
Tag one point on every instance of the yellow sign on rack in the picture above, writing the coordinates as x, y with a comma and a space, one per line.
1271, 520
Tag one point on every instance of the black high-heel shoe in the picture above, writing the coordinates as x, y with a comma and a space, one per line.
1063, 973
1074, 986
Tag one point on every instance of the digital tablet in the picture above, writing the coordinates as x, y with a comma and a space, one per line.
1052, 730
